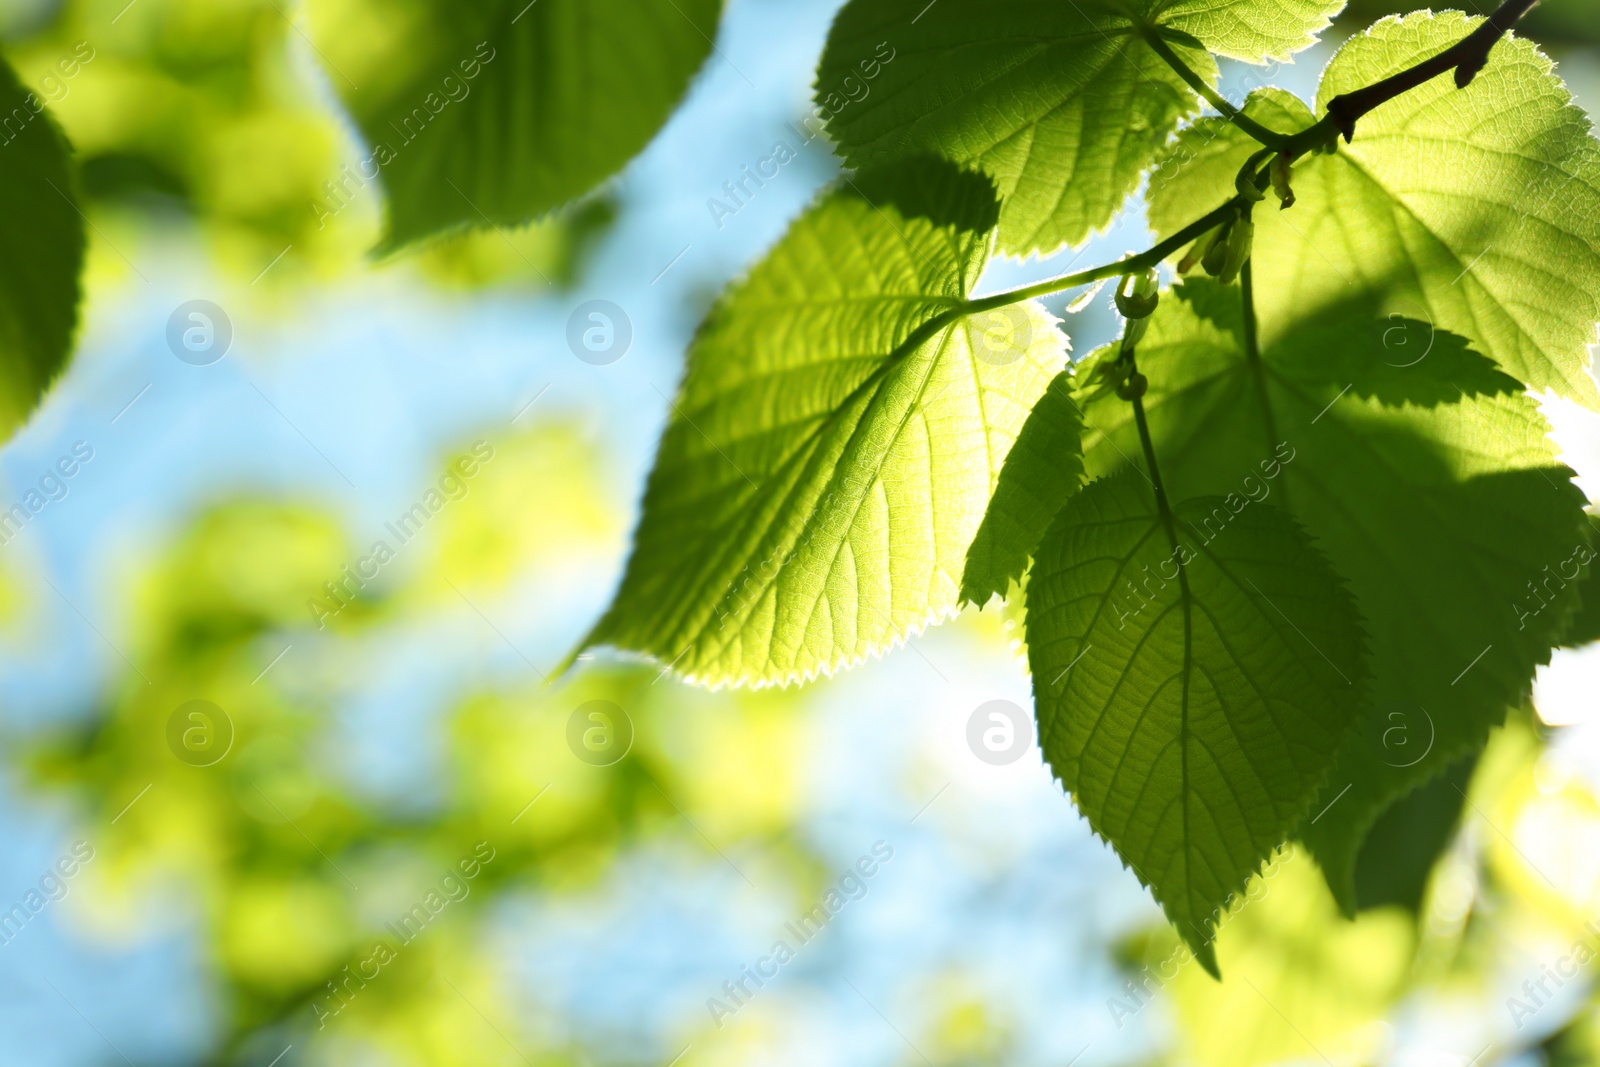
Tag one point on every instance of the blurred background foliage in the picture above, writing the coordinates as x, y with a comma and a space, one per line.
216, 123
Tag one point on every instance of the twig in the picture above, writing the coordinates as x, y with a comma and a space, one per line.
1466, 57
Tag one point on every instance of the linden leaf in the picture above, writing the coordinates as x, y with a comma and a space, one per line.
1475, 210
1064, 105
42, 245
1044, 468
1439, 517
492, 114
1191, 698
836, 440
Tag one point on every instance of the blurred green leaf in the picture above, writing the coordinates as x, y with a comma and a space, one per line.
41, 251
1406, 841
492, 114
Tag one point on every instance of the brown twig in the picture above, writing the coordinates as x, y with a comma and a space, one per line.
1466, 57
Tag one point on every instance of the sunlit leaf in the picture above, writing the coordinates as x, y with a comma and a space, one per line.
835, 443
1044, 468
1475, 210
1191, 697
1439, 517
1064, 105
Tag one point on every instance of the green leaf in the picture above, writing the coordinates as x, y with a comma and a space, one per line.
1191, 698
836, 440
1043, 469
1439, 517
1584, 626
494, 113
1065, 105
41, 249
1405, 842
1475, 210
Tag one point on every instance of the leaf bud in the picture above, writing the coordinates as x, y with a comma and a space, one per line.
1282, 171
1240, 242
1215, 255
1142, 301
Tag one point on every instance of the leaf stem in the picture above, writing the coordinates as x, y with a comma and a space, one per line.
1128, 265
1148, 444
1252, 351
1270, 138
1466, 57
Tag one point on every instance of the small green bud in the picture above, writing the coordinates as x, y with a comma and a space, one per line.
1134, 387
1238, 249
1141, 302
1191, 258
1216, 253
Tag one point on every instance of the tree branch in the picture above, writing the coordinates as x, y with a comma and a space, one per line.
1466, 57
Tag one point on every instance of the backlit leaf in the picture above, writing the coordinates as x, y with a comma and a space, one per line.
1045, 467
1475, 210
1440, 517
835, 443
1064, 105
1192, 699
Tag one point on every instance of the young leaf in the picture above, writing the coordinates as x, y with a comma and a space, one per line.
1192, 699
1476, 210
1044, 468
494, 113
41, 249
1440, 517
836, 440
1064, 104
